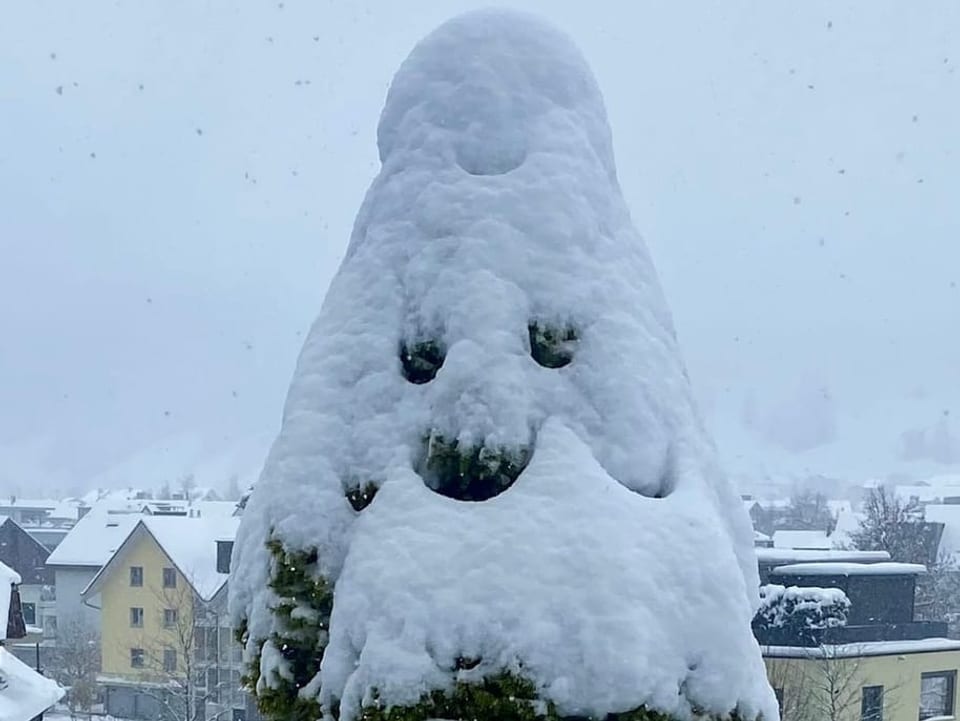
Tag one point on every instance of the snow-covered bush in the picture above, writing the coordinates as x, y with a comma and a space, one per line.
797, 612
492, 496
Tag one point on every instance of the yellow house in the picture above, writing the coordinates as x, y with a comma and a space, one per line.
159, 595
871, 681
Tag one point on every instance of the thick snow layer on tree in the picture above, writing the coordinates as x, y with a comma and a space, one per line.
618, 570
808, 606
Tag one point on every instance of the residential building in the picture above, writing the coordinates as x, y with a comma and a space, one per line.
81, 555
47, 520
27, 556
878, 665
167, 645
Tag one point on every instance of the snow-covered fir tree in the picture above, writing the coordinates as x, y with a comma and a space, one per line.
492, 497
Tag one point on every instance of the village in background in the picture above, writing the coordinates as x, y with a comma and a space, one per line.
120, 598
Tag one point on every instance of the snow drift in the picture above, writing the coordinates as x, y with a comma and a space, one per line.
497, 305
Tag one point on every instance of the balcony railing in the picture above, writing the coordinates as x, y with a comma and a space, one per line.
912, 631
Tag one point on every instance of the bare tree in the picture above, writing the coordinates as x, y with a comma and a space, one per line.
232, 491
896, 526
807, 510
826, 685
175, 665
75, 662
938, 593
188, 485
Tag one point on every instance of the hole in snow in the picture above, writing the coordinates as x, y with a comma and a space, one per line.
497, 161
361, 496
552, 346
666, 481
469, 473
491, 147
466, 663
421, 360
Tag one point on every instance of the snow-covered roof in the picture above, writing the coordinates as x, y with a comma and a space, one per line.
866, 648
219, 509
24, 693
190, 542
757, 536
29, 503
850, 569
802, 540
848, 522
839, 506
771, 556
949, 516
94, 538
926, 493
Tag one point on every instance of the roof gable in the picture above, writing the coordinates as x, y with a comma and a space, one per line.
188, 543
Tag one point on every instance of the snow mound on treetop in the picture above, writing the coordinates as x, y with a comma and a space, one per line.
618, 570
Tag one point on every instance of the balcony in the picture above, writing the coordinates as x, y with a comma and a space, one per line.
909, 631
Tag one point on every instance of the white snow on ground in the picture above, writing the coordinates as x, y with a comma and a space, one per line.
497, 204
24, 693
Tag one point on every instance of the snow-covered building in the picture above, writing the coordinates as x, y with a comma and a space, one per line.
802, 540
47, 520
167, 643
877, 661
82, 553
24, 693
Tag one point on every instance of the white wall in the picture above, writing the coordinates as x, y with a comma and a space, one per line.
70, 582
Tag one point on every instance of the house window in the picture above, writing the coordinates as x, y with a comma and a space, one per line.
169, 578
224, 550
213, 685
29, 613
136, 617
169, 617
136, 658
169, 660
136, 575
936, 694
871, 703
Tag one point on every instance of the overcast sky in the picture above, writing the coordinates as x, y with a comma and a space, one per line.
178, 181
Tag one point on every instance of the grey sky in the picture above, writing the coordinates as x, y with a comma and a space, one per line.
178, 182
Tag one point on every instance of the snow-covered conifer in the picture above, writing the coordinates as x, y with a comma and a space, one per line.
491, 496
